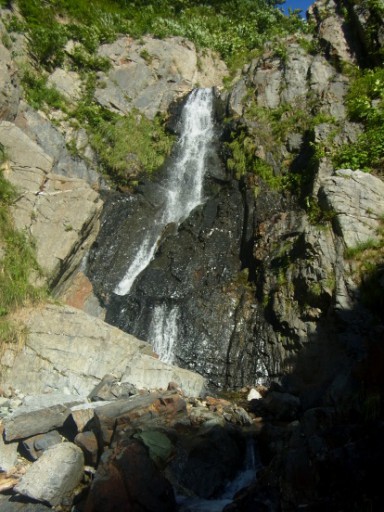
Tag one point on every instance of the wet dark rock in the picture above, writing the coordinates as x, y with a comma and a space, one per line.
213, 459
191, 269
130, 481
282, 406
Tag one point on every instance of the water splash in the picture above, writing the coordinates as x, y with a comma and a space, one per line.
184, 182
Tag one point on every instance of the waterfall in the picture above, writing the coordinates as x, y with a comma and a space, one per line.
184, 182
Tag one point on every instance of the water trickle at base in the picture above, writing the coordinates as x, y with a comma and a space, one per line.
243, 479
163, 331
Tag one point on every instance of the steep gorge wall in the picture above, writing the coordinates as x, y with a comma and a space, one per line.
308, 297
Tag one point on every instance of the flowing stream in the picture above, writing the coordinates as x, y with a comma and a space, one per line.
244, 478
184, 183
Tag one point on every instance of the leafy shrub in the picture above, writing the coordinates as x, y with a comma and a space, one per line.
85, 61
17, 261
365, 102
230, 30
129, 145
243, 159
39, 93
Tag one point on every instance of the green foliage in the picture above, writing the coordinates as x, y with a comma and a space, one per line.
316, 215
367, 260
231, 28
243, 160
82, 60
38, 93
17, 260
365, 102
126, 145
372, 243
365, 97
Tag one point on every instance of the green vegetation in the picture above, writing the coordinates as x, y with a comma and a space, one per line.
232, 28
17, 265
365, 102
127, 146
367, 260
357, 251
243, 159
273, 127
38, 93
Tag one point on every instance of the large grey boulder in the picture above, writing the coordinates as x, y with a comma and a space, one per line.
60, 214
357, 199
54, 476
150, 74
67, 350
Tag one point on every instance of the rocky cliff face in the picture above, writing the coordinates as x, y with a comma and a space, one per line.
306, 286
266, 277
274, 266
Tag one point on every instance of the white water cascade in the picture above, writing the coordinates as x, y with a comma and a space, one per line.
184, 184
163, 331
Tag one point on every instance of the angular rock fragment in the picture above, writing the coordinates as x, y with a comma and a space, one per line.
8, 453
130, 481
38, 415
54, 476
87, 441
35, 446
357, 199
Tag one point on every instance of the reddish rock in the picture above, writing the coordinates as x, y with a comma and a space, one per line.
87, 441
128, 480
80, 290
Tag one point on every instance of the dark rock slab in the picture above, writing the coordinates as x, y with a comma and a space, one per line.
35, 446
39, 415
282, 406
20, 504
